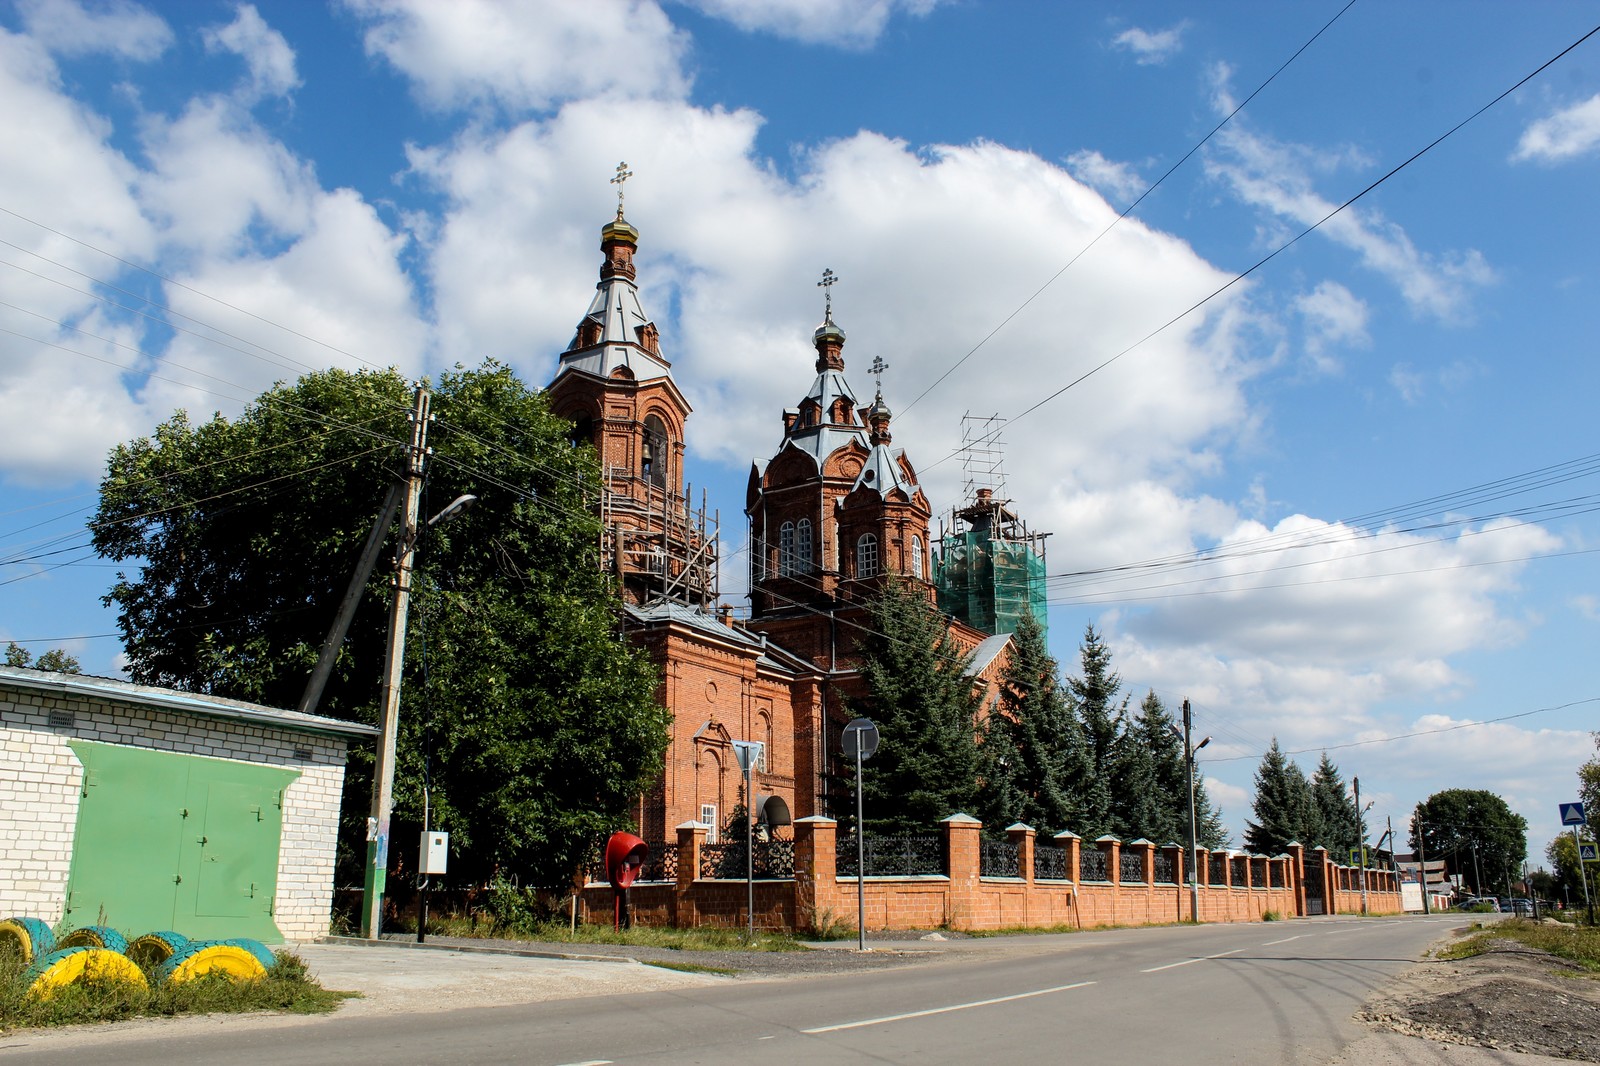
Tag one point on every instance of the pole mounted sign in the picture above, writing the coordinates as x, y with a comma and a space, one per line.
859, 742
1572, 814
1589, 852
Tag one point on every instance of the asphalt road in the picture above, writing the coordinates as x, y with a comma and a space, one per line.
1217, 995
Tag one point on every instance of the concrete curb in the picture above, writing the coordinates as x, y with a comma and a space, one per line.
475, 949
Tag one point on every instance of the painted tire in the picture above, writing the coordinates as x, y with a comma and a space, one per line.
29, 937
262, 953
95, 936
70, 965
153, 949
203, 957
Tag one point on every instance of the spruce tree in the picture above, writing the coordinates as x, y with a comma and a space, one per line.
1284, 809
1030, 741
926, 708
1336, 808
1097, 713
1156, 730
1210, 830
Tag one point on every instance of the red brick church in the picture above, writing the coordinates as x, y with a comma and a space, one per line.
832, 512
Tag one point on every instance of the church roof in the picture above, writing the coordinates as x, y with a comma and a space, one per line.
619, 314
884, 473
823, 437
770, 656
986, 652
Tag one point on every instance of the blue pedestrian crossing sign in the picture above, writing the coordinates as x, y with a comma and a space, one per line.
1589, 852
1572, 814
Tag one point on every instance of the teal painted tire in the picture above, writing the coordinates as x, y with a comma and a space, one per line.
57, 970
204, 957
255, 947
95, 936
29, 937
150, 951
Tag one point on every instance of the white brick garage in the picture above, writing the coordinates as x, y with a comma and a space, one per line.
79, 753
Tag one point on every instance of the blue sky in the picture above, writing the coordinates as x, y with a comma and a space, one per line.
415, 183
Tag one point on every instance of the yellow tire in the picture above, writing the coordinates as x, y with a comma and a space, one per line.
153, 949
230, 960
28, 938
70, 965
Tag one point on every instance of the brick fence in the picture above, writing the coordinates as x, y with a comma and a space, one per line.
1144, 884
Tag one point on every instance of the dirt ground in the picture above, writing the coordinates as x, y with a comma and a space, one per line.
1511, 998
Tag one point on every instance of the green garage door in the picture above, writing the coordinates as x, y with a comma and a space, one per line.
180, 842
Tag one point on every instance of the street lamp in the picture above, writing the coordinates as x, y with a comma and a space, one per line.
1194, 847
389, 715
1361, 838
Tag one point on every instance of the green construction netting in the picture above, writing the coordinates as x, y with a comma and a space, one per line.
988, 583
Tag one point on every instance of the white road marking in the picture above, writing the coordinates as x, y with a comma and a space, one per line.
1285, 940
944, 1010
1186, 962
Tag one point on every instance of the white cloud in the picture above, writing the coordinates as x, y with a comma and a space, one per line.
1151, 47
527, 54
1278, 177
849, 23
1570, 132
1118, 181
267, 55
1334, 316
114, 27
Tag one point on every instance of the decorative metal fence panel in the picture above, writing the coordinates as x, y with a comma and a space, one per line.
1166, 868
1258, 873
660, 865
908, 856
1000, 858
1092, 865
1240, 867
1132, 867
1315, 888
772, 860
1217, 869
1049, 863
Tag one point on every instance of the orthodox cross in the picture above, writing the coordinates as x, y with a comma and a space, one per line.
876, 370
826, 285
623, 174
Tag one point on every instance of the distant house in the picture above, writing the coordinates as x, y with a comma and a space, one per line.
147, 808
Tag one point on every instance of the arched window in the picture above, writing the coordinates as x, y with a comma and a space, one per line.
802, 547
653, 463
786, 549
916, 558
582, 431
867, 556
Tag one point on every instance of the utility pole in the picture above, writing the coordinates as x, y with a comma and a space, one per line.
1422, 858
394, 663
1361, 841
1189, 750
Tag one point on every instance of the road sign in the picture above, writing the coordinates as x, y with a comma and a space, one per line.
860, 736
1589, 852
1572, 814
748, 752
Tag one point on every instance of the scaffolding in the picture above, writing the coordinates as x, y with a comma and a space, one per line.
991, 566
656, 542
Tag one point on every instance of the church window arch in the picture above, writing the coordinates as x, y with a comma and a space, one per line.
867, 556
653, 462
916, 557
803, 563
786, 549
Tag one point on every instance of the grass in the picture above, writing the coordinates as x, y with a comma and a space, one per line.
704, 938
287, 987
1578, 943
693, 967
1023, 930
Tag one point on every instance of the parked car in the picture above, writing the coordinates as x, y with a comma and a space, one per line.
1480, 904
1521, 906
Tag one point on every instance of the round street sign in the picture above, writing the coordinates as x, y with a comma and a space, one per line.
860, 736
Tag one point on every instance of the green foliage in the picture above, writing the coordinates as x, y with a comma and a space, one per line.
1284, 808
1474, 832
1566, 880
1581, 944
1338, 823
537, 726
1032, 757
1095, 693
926, 708
55, 659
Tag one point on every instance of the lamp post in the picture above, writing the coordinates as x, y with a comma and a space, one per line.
1361, 838
1189, 751
394, 662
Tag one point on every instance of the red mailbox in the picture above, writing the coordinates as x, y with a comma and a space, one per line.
625, 854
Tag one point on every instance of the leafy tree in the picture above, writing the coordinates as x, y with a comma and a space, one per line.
1284, 808
1589, 786
535, 726
1337, 817
55, 659
1567, 885
1474, 832
926, 708
1031, 751
1098, 716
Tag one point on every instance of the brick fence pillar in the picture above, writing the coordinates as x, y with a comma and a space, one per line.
1111, 848
691, 837
1070, 842
1202, 866
1022, 836
816, 885
1147, 858
1296, 875
1319, 858
962, 848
